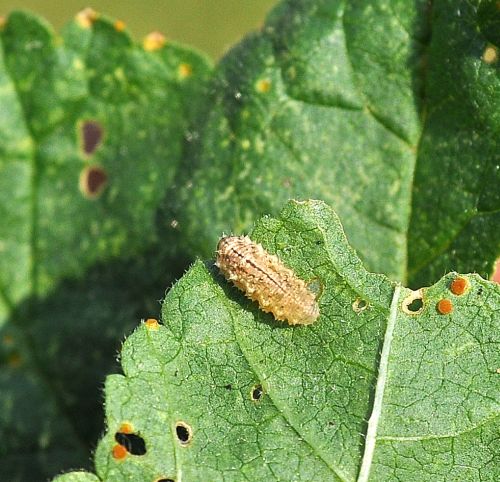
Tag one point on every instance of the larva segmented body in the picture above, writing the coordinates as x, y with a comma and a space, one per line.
264, 278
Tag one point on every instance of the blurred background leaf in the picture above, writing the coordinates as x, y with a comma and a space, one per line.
210, 25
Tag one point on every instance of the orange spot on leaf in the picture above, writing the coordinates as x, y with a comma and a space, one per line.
126, 427
459, 286
445, 307
152, 324
120, 25
86, 17
154, 41
119, 452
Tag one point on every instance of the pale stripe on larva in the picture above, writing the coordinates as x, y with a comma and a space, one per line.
264, 278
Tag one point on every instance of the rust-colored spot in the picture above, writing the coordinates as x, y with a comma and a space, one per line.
93, 180
459, 286
86, 17
184, 433
120, 25
92, 133
445, 307
154, 41
185, 70
490, 54
152, 324
119, 452
126, 427
263, 86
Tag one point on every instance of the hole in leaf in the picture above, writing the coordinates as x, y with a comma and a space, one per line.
413, 304
164, 480
184, 433
133, 443
92, 133
228, 386
93, 180
359, 305
257, 393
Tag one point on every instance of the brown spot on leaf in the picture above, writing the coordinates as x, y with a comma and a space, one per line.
93, 180
92, 133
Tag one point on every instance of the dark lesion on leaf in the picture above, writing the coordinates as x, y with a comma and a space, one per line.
184, 433
91, 134
93, 180
257, 392
134, 443
164, 480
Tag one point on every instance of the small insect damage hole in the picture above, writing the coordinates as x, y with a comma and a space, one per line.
133, 443
184, 433
228, 386
164, 480
93, 180
359, 305
257, 392
92, 134
413, 304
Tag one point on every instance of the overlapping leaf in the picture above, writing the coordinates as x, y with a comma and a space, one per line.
387, 110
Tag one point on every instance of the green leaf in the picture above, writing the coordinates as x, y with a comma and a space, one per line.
221, 391
92, 129
388, 111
